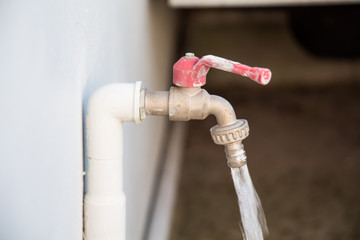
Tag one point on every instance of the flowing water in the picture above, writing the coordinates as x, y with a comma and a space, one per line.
253, 222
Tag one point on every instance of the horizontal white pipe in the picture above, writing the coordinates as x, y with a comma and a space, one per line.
104, 204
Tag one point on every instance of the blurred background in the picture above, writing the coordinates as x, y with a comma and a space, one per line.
304, 145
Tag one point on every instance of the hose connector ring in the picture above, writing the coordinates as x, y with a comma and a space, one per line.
231, 136
223, 135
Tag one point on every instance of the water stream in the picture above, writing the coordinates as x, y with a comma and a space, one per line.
253, 222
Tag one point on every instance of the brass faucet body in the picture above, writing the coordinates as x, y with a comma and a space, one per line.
184, 104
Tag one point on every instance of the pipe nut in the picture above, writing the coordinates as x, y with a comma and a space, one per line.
235, 132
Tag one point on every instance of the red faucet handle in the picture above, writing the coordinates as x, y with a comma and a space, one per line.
189, 71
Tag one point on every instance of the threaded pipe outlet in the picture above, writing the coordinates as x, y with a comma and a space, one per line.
235, 155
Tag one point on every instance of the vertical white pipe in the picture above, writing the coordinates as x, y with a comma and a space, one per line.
108, 108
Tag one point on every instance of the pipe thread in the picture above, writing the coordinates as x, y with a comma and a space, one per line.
235, 155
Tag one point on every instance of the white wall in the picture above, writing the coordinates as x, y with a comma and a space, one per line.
53, 55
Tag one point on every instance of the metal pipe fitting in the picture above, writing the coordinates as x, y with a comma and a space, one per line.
184, 104
235, 154
188, 103
231, 137
222, 110
156, 103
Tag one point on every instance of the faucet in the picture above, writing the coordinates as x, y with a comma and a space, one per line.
113, 104
187, 100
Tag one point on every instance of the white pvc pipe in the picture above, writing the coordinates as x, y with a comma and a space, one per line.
108, 108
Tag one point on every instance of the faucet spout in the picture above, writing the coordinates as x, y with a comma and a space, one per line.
222, 110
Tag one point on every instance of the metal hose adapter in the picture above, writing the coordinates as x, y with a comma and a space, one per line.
231, 137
